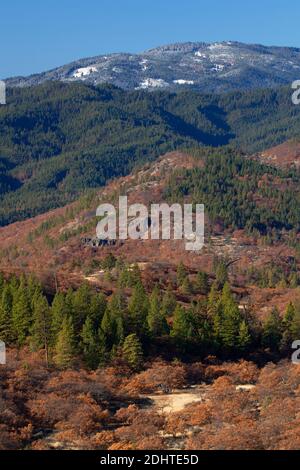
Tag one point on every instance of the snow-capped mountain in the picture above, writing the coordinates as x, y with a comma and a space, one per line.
217, 67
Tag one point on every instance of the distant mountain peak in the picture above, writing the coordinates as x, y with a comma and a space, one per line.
218, 67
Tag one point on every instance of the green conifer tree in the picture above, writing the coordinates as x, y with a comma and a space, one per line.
41, 326
102, 351
295, 322
181, 328
181, 274
156, 321
244, 337
168, 303
81, 303
289, 316
294, 280
2, 283
202, 283
65, 346
90, 344
272, 331
221, 274
132, 351
138, 311
134, 276
231, 320
287, 335
213, 300
186, 287
109, 262
21, 315
112, 324
59, 310
124, 277
97, 309
6, 327
34, 289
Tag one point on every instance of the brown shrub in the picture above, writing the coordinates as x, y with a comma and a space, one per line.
160, 376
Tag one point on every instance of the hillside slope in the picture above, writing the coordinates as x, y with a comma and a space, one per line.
285, 155
57, 140
51, 245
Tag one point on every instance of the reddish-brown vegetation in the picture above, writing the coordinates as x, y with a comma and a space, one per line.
242, 407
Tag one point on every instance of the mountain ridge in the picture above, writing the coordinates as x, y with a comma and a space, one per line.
219, 67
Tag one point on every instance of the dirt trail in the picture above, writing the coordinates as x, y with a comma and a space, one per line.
176, 401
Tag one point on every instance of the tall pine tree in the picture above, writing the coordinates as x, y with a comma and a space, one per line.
138, 311
272, 331
132, 351
6, 327
21, 315
59, 310
90, 344
41, 326
112, 325
65, 345
181, 329
168, 303
156, 321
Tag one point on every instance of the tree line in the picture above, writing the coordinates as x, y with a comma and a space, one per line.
84, 325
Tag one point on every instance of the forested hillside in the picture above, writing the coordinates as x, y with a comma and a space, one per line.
58, 139
240, 192
83, 324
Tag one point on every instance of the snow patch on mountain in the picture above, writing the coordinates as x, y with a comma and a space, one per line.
143, 64
152, 83
84, 71
217, 46
117, 70
218, 67
184, 82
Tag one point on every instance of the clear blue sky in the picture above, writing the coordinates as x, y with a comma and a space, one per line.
37, 35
